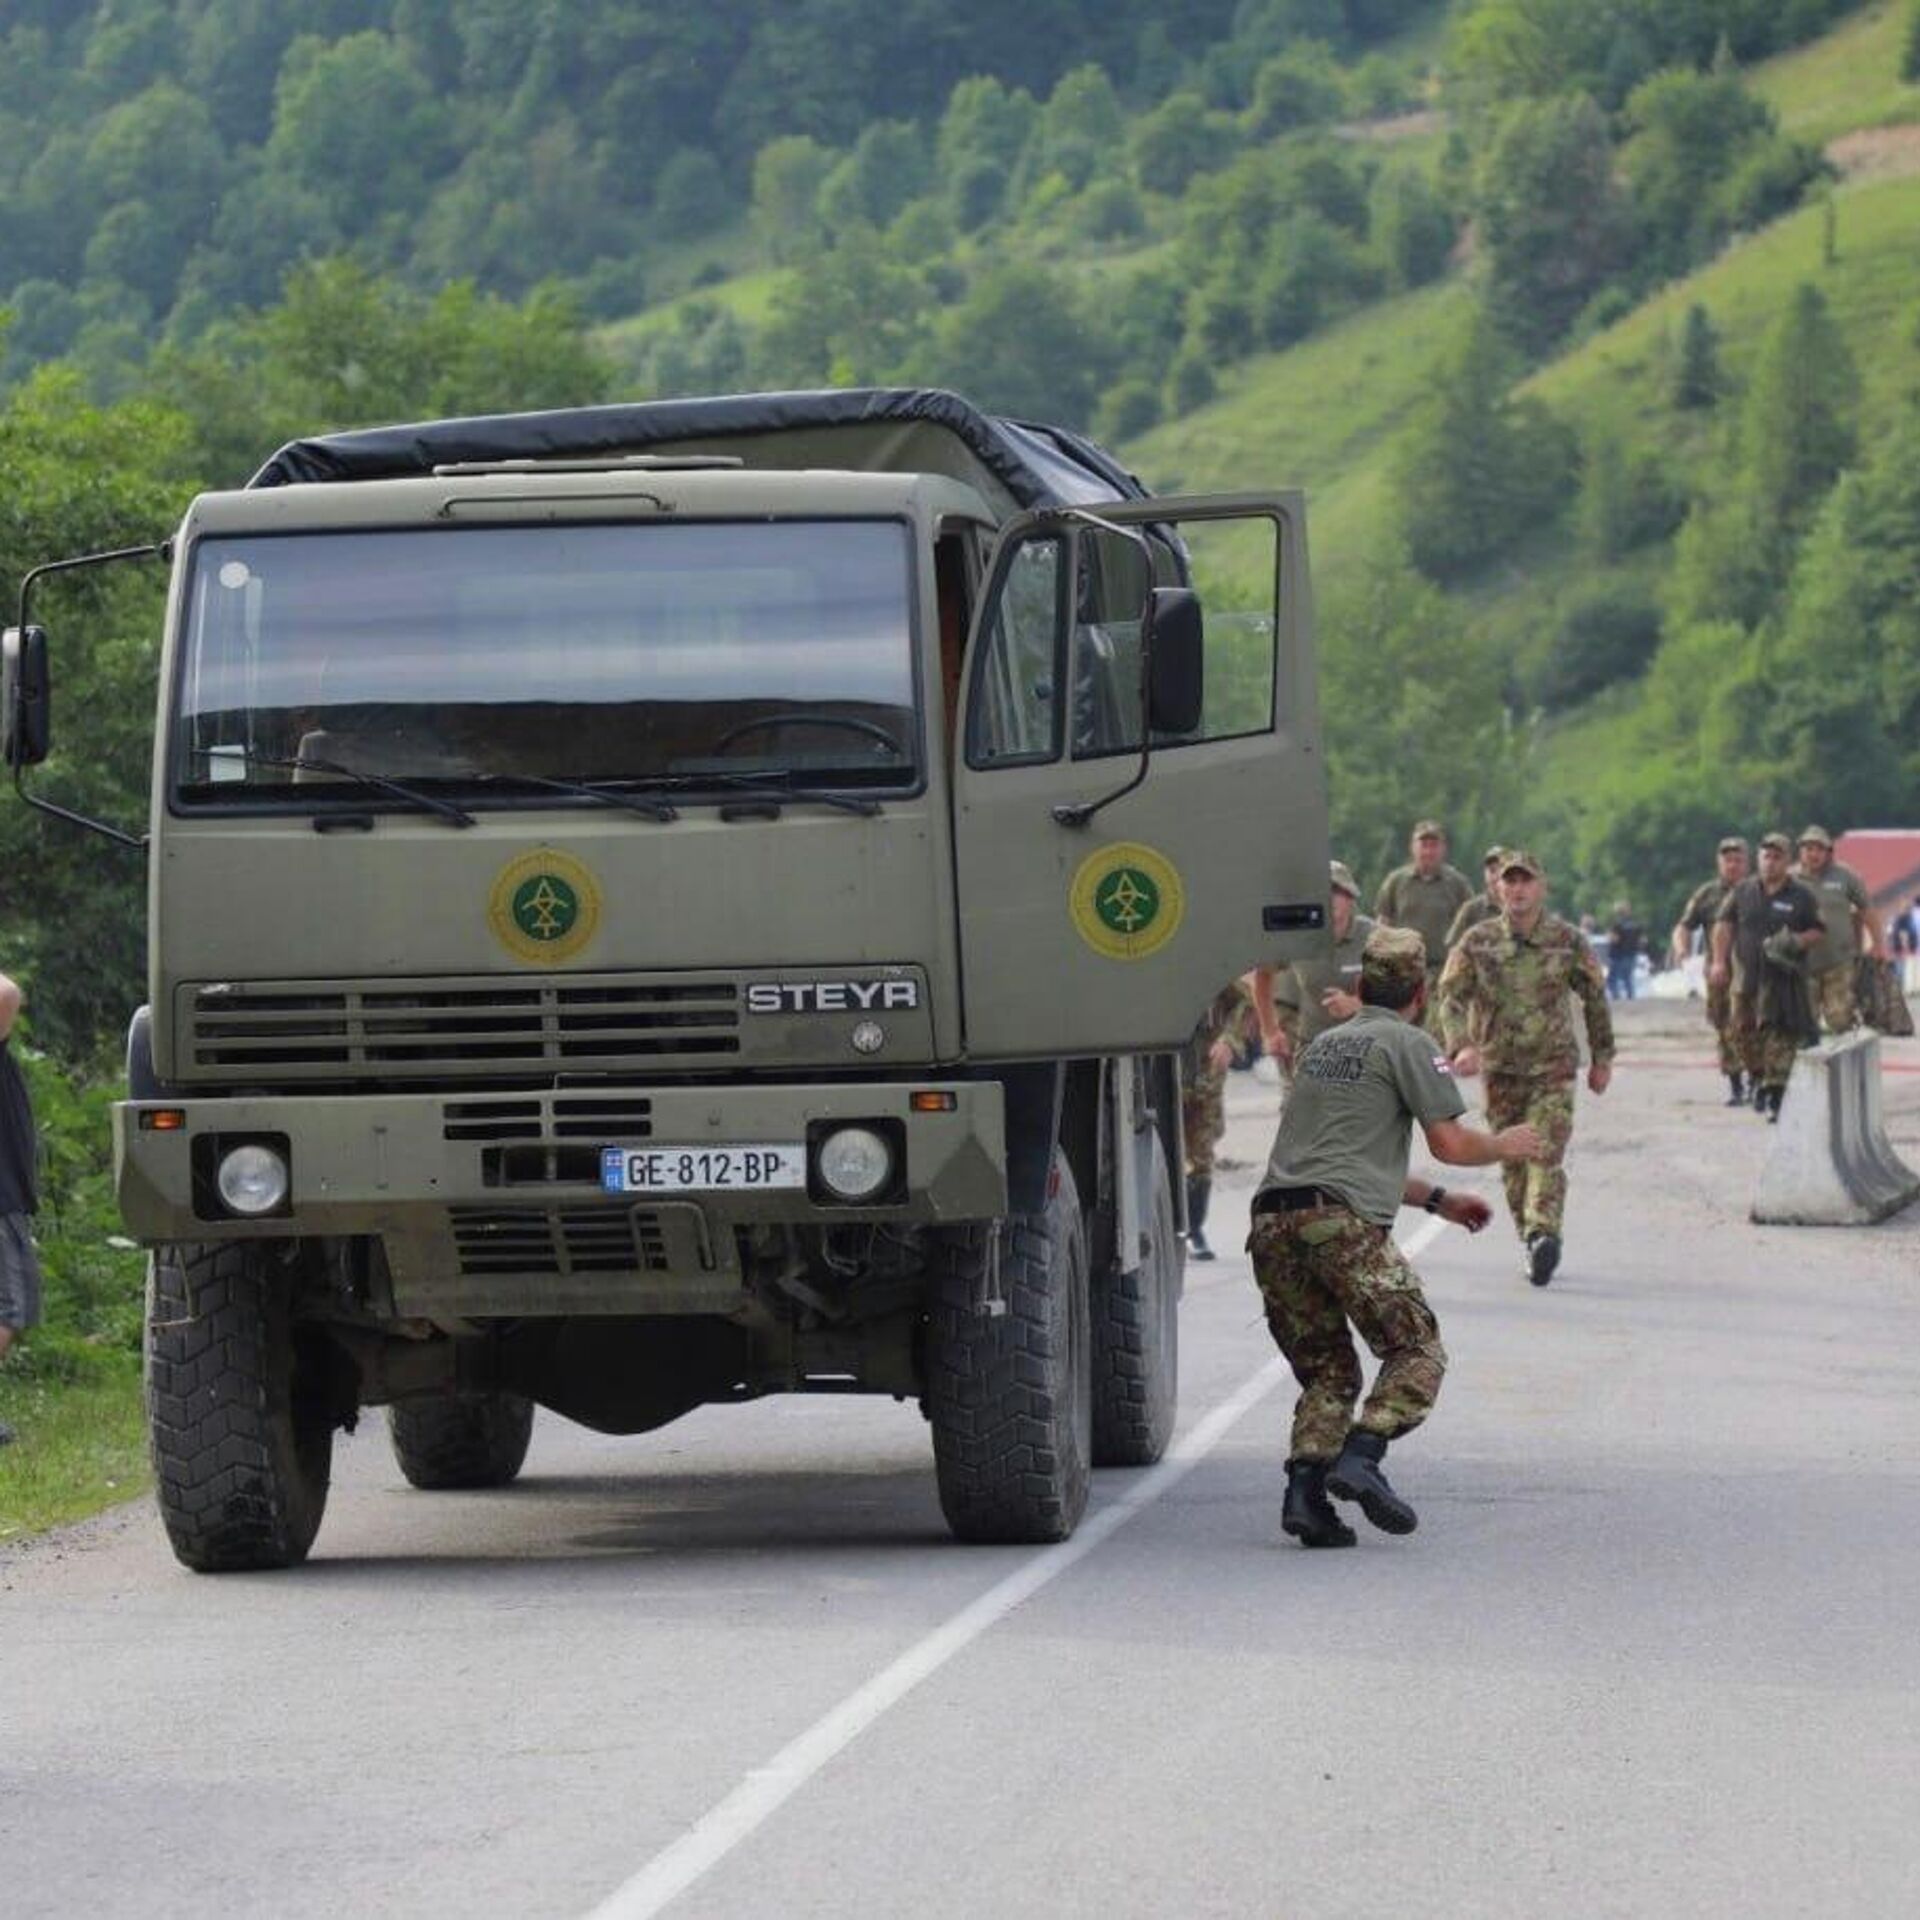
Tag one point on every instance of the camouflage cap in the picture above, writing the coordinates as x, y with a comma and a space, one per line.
1428, 829
1818, 835
1493, 856
1775, 843
1343, 880
1519, 858
1393, 956
1732, 844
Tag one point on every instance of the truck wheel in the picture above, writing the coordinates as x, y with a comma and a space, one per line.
461, 1439
1136, 1341
238, 1419
1009, 1394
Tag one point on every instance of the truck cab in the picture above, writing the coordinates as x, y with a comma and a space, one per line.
654, 906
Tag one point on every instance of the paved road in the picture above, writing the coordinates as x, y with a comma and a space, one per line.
1654, 1648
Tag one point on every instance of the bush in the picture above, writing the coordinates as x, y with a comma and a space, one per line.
1190, 381
1129, 408
1109, 210
1606, 633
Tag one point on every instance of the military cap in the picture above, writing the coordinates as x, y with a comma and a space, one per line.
1493, 856
1527, 864
1732, 844
1422, 828
1778, 842
1343, 879
1394, 956
1818, 835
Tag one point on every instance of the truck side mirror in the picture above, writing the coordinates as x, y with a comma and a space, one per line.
1176, 685
26, 718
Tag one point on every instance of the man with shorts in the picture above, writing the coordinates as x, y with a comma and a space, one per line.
19, 1266
1323, 1255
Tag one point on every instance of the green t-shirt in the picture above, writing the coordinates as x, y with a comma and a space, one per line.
1427, 903
1301, 985
1348, 1124
1839, 893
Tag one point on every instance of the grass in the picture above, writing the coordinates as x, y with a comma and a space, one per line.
1846, 80
80, 1440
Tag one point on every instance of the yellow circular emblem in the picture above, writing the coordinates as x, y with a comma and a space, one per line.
545, 906
1127, 901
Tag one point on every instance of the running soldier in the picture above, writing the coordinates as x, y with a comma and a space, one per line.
1226, 1026
1505, 1010
1323, 1256
1698, 916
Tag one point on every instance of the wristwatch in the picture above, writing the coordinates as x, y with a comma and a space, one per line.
1434, 1196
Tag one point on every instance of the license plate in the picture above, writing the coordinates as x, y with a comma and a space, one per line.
728, 1169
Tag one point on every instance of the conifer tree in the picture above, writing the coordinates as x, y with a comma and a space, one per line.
1697, 380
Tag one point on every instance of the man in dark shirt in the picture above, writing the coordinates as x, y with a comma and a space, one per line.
1760, 924
19, 1268
1323, 1256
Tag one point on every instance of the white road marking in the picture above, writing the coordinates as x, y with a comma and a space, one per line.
767, 1789
758, 1797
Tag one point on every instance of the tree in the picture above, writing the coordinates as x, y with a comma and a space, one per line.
690, 197
1178, 139
1019, 343
888, 166
1476, 468
787, 177
1797, 422
1696, 379
1416, 228
1910, 44
1553, 221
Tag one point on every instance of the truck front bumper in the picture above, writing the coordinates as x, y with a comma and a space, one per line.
492, 1203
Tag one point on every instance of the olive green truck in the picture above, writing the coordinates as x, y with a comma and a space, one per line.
657, 905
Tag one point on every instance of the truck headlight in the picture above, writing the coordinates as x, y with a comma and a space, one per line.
854, 1163
251, 1179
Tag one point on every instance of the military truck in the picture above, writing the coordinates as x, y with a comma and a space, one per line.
656, 905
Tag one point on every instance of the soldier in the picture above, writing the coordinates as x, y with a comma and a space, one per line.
1697, 916
1770, 1012
1485, 905
1425, 894
1846, 910
1322, 1252
1224, 1029
1298, 1003
1504, 1009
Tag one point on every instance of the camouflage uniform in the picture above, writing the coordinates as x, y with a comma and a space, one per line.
1842, 898
1322, 1253
1428, 905
1476, 913
1698, 916
1507, 994
1203, 1093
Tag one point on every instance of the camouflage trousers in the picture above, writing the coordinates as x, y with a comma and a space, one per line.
1720, 1018
1536, 1190
1203, 1118
1317, 1271
1766, 1052
1833, 999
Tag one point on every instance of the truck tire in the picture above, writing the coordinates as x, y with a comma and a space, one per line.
1009, 1394
461, 1439
1136, 1340
241, 1432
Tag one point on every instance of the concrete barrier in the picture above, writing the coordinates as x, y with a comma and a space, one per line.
1832, 1164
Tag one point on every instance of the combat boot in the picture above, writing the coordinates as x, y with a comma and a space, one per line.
1759, 1098
1198, 1193
1774, 1097
1737, 1083
1308, 1514
1543, 1257
1356, 1475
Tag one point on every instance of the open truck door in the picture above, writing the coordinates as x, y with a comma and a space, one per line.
1140, 807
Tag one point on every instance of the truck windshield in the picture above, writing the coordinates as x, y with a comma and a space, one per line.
476, 655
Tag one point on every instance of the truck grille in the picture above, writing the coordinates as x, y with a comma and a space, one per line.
458, 1028
577, 1240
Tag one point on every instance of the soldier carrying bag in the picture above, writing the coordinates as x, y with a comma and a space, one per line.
1876, 992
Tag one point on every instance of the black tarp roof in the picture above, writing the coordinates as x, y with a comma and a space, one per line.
1037, 465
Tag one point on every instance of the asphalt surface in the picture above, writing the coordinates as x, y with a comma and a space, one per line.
1655, 1647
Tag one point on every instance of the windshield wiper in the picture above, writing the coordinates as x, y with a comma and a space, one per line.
608, 793
764, 787
297, 762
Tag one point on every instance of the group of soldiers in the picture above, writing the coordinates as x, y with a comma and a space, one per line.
1783, 946
1501, 975
1373, 1037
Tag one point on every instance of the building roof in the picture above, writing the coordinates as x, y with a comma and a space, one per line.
1886, 858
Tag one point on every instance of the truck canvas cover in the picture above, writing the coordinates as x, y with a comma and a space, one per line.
1015, 464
